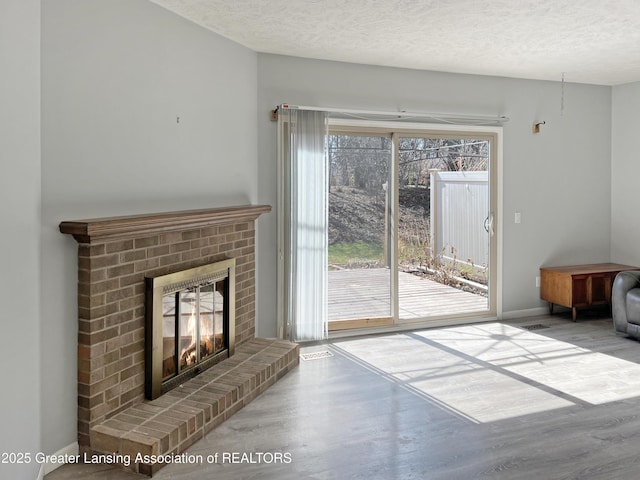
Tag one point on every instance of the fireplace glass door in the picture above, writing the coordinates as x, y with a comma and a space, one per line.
188, 314
211, 319
190, 324
193, 326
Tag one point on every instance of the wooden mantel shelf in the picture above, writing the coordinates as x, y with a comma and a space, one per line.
89, 231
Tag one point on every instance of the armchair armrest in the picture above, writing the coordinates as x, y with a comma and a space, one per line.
623, 282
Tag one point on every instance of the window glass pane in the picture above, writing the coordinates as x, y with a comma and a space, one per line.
359, 277
443, 242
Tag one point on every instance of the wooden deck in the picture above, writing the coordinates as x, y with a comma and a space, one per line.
365, 293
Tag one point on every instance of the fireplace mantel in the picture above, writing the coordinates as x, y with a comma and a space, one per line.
130, 226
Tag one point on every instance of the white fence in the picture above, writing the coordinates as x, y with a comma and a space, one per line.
460, 216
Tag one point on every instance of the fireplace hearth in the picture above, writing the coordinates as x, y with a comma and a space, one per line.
190, 324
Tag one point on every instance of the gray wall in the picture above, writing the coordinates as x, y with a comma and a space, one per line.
115, 75
20, 240
625, 175
559, 179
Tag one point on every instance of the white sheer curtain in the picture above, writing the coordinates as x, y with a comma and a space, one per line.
303, 224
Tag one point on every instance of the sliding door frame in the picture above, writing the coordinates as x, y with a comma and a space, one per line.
406, 129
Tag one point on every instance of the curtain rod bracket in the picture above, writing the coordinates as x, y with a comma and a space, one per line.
274, 114
536, 126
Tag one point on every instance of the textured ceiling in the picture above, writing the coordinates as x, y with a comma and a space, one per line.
590, 41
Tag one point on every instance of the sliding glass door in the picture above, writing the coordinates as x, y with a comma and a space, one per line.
445, 225
411, 226
359, 276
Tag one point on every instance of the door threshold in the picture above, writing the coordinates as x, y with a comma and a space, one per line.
404, 327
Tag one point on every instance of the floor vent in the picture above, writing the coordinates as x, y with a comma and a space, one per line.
316, 355
536, 326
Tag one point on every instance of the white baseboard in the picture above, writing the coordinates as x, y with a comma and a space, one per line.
530, 312
71, 450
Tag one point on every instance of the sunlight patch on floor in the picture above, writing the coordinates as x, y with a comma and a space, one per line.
456, 384
593, 377
493, 371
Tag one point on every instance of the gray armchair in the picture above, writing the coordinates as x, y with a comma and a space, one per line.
625, 303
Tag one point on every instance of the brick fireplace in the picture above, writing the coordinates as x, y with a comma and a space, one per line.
115, 255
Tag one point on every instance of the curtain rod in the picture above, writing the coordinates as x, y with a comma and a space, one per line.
442, 117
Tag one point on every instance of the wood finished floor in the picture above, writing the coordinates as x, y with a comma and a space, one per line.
483, 401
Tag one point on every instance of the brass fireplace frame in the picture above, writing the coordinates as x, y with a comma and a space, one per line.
155, 289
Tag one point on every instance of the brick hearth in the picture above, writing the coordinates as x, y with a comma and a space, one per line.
171, 423
114, 256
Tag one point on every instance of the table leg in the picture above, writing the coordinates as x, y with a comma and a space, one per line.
574, 313
550, 308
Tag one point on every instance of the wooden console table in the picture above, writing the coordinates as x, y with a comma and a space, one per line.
577, 286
